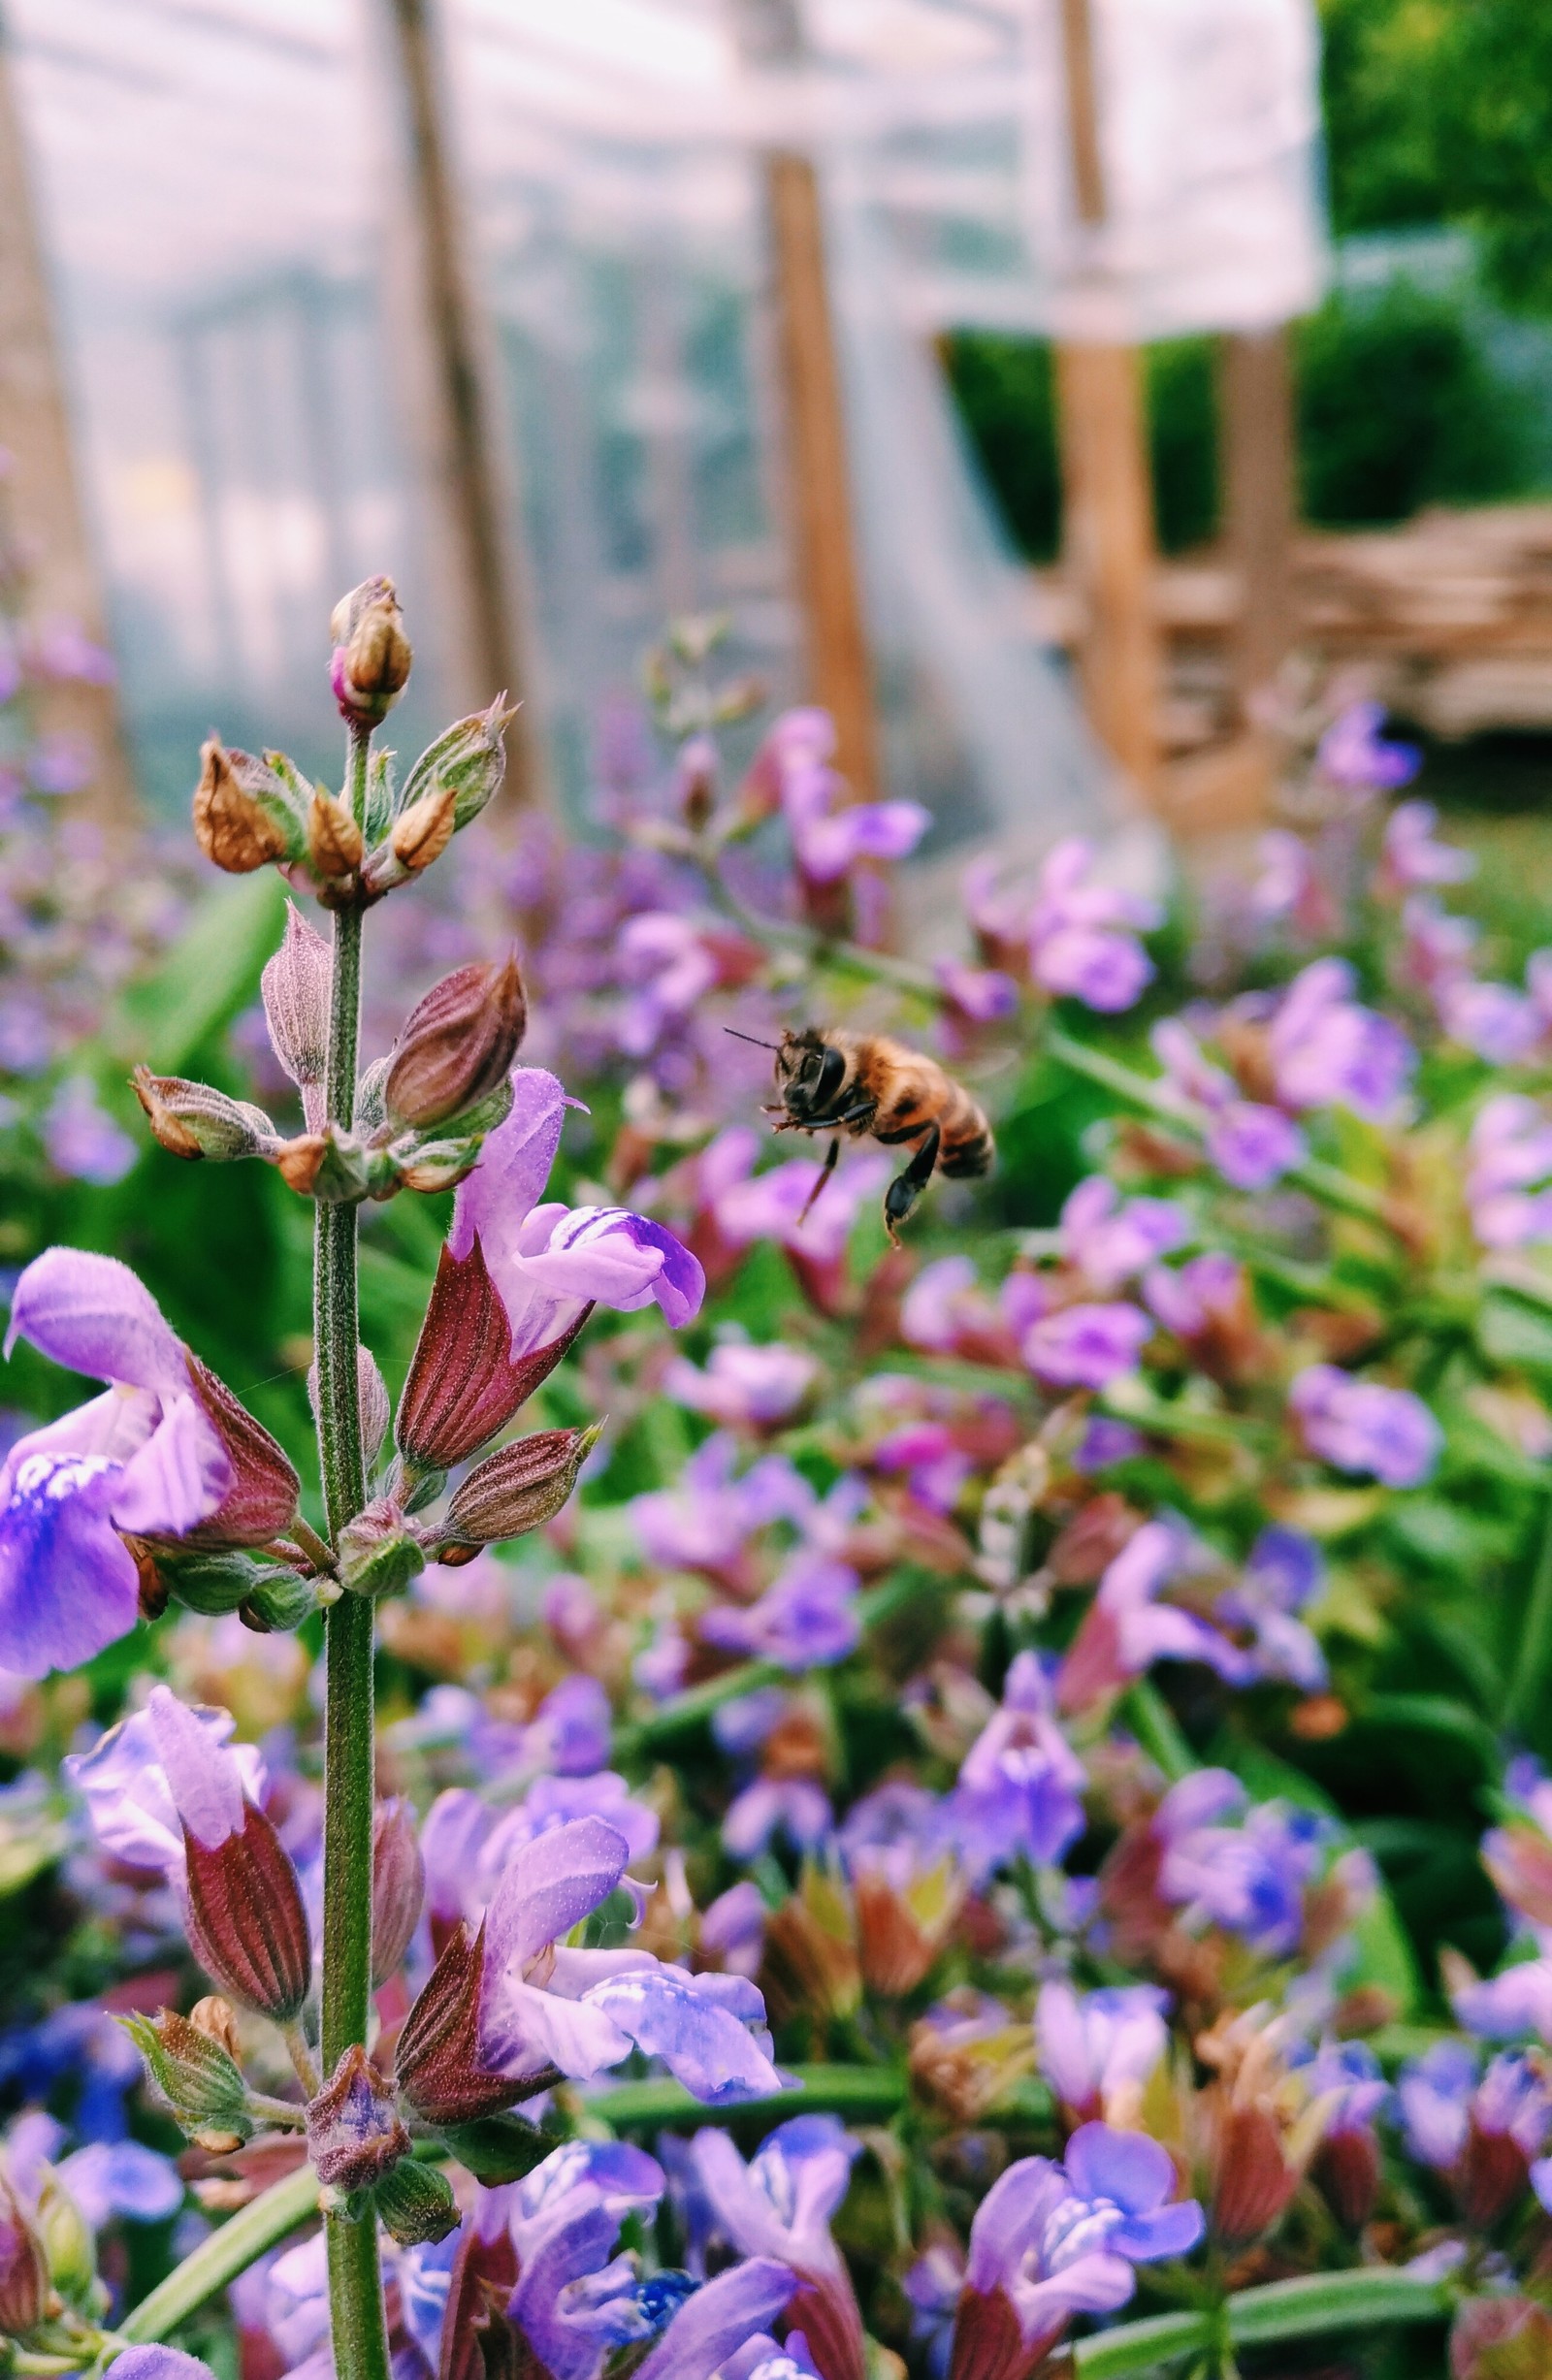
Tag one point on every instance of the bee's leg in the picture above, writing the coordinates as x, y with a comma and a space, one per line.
907, 1187
824, 1173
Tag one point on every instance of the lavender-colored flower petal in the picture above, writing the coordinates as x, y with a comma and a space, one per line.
177, 1478
127, 1793
686, 2020
159, 2362
203, 1779
552, 1883
68, 1584
514, 1166
108, 2179
719, 2318
90, 1315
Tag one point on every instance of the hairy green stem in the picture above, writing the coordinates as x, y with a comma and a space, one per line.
1306, 2308
355, 2282
259, 2226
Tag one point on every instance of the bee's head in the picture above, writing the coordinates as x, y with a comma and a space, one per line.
809, 1071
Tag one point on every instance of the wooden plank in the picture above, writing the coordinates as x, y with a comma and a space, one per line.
1256, 414
1107, 490
839, 666
446, 386
1107, 549
43, 495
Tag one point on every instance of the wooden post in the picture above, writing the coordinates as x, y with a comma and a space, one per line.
1107, 490
1256, 413
444, 368
839, 668
43, 495
769, 34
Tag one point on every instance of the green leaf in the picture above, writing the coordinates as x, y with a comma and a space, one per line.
1512, 1331
209, 974
499, 2149
862, 2094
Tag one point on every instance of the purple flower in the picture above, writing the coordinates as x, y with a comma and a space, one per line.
142, 1459
1085, 1346
1127, 1629
770, 1206
1492, 1020
1348, 2076
1287, 876
792, 1806
1283, 1572
744, 1387
540, 2004
671, 970
130, 1796
1017, 1792
779, 2206
466, 1844
704, 1522
1052, 2240
1353, 754
1327, 1051
805, 1620
1246, 1880
80, 1137
1443, 2103
1083, 935
574, 2300
723, 2321
1252, 1147
1508, 1187
983, 995
1359, 1425
1112, 1240
1514, 2005
160, 2364
831, 835
111, 2180
1097, 2049
549, 1263
1410, 856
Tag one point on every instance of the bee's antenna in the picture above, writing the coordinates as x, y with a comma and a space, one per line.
751, 1036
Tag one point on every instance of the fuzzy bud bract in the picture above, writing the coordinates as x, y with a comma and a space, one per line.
244, 814
397, 1888
295, 987
335, 846
457, 1045
468, 758
354, 2136
416, 2204
247, 1924
196, 2074
377, 1554
517, 1488
372, 655
190, 1120
24, 2267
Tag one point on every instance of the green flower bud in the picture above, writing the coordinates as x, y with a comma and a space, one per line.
416, 2204
197, 2076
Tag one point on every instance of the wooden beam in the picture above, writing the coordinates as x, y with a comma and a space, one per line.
839, 668
1106, 488
1256, 416
1107, 549
44, 494
480, 627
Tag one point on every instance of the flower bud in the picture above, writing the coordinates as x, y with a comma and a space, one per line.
517, 1488
431, 1166
354, 2135
295, 984
397, 1888
196, 2074
216, 2017
457, 1045
23, 2269
298, 1161
438, 2068
261, 1503
469, 757
335, 846
379, 1555
372, 656
281, 1600
247, 1925
464, 1384
416, 2204
243, 814
212, 1584
191, 1120
422, 832
68, 2246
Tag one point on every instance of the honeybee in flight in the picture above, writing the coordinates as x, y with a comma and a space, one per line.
872, 1088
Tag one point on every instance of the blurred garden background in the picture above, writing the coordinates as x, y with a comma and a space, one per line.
1023, 526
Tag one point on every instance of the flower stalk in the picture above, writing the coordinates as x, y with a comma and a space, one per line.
355, 2283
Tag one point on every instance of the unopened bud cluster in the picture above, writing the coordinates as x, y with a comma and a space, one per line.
254, 810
